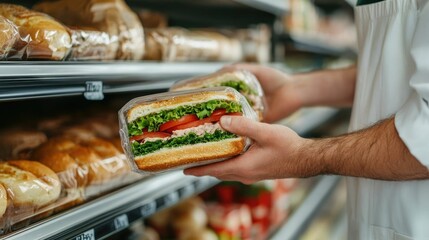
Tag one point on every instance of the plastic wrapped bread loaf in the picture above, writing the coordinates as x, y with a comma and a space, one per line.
40, 36
90, 44
8, 36
111, 16
177, 44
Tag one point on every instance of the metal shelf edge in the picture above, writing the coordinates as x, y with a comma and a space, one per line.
139, 193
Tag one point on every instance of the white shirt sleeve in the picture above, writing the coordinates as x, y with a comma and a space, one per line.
412, 120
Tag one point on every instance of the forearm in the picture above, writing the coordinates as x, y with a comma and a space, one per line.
376, 152
326, 88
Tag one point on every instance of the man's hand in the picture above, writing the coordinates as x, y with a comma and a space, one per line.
287, 93
282, 97
277, 152
272, 155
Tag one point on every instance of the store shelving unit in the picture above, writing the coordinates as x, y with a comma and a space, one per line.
25, 80
115, 211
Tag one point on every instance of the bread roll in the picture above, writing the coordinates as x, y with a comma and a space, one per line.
18, 144
112, 162
111, 16
3, 200
76, 165
41, 37
143, 109
189, 154
29, 183
8, 36
79, 165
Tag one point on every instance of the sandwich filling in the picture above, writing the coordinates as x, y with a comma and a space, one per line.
184, 125
249, 93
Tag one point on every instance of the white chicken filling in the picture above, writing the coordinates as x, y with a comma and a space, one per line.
200, 131
256, 101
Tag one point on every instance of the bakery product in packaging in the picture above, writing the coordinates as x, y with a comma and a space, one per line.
178, 44
113, 17
8, 36
90, 44
29, 183
242, 81
40, 36
180, 129
18, 144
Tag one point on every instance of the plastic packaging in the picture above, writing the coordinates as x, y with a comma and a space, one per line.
90, 44
242, 81
39, 36
63, 168
8, 36
255, 41
177, 44
178, 130
111, 16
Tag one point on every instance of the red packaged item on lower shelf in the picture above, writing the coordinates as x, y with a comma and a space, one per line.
230, 221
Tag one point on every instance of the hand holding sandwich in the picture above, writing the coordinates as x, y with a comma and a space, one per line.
376, 152
279, 89
274, 154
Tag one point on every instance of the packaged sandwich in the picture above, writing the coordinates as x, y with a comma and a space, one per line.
177, 130
242, 81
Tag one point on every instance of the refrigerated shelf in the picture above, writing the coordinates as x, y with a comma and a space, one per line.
113, 212
28, 80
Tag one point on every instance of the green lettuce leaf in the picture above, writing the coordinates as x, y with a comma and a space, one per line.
240, 86
140, 149
202, 110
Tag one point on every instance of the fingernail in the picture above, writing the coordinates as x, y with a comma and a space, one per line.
225, 121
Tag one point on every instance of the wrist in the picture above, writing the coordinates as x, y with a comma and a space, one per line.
315, 156
300, 86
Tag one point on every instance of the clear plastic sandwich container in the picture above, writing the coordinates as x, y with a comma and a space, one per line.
183, 145
241, 80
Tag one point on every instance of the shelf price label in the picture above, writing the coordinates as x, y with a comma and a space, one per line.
94, 90
148, 209
121, 222
88, 235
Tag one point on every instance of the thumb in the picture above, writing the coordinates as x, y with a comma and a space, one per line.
243, 126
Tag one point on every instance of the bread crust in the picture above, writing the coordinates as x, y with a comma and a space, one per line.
80, 162
41, 37
143, 109
3, 200
218, 77
8, 36
29, 183
191, 154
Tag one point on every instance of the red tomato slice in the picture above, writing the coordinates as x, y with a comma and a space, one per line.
149, 135
220, 111
180, 121
212, 119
